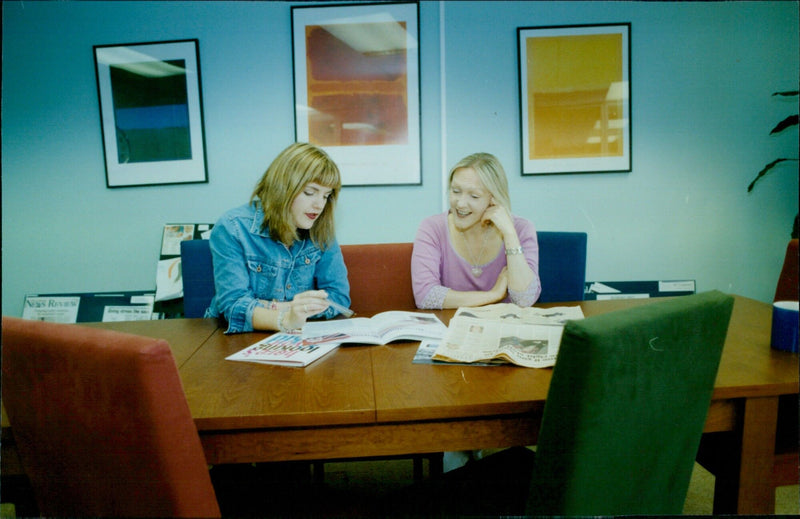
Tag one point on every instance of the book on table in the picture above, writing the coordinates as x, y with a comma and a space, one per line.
505, 332
381, 328
285, 349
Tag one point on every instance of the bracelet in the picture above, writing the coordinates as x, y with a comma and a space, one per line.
281, 327
515, 250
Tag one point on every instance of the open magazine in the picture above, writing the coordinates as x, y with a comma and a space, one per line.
381, 328
528, 337
285, 349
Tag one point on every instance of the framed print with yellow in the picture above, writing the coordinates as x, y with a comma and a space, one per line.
356, 88
575, 102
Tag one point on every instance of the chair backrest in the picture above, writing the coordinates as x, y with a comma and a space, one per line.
562, 265
198, 277
626, 408
787, 289
101, 423
379, 276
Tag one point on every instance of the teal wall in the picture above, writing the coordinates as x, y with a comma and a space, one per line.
702, 75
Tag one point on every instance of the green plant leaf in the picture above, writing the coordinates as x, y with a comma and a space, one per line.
765, 170
786, 123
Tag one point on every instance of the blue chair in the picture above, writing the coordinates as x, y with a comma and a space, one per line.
198, 277
562, 266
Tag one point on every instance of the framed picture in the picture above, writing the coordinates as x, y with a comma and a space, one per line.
356, 88
575, 102
151, 113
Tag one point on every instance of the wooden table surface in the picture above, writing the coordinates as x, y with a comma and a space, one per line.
361, 401
225, 395
373, 401
185, 336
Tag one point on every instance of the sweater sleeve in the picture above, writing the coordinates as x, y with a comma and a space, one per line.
426, 264
530, 247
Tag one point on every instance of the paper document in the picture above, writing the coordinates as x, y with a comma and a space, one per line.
525, 336
427, 349
284, 349
600, 288
54, 309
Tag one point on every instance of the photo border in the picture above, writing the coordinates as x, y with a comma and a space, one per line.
364, 165
122, 174
574, 165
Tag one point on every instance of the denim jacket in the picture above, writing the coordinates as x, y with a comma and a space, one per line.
249, 265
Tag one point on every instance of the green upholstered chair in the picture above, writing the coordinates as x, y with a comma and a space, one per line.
102, 424
624, 415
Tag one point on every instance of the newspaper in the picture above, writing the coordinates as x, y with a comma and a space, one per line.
427, 349
528, 337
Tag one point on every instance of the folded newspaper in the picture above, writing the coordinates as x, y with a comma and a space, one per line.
528, 337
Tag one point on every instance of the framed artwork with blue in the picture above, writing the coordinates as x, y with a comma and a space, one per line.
151, 113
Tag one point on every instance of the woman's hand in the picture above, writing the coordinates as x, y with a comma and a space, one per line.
303, 306
499, 217
500, 288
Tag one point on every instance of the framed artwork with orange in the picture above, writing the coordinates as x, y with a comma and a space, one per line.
575, 102
356, 88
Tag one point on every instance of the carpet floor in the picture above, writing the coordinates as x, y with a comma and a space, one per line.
353, 488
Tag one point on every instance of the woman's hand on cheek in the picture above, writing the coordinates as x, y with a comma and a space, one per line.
499, 217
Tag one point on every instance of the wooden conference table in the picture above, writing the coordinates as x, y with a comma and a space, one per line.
362, 401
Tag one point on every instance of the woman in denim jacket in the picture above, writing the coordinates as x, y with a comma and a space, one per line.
276, 259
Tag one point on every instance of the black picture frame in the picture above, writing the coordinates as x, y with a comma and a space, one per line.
357, 88
151, 113
575, 98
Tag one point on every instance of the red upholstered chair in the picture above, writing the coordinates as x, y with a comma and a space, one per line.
101, 423
380, 277
787, 289
380, 280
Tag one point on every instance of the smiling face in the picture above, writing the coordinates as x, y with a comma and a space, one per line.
469, 198
309, 204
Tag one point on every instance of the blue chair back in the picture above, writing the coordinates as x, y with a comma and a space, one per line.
562, 266
198, 277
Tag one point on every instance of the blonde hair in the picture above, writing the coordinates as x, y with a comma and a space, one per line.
490, 172
284, 179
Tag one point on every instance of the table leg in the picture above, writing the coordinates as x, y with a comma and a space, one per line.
743, 461
756, 492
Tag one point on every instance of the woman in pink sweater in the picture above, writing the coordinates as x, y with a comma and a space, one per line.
476, 253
